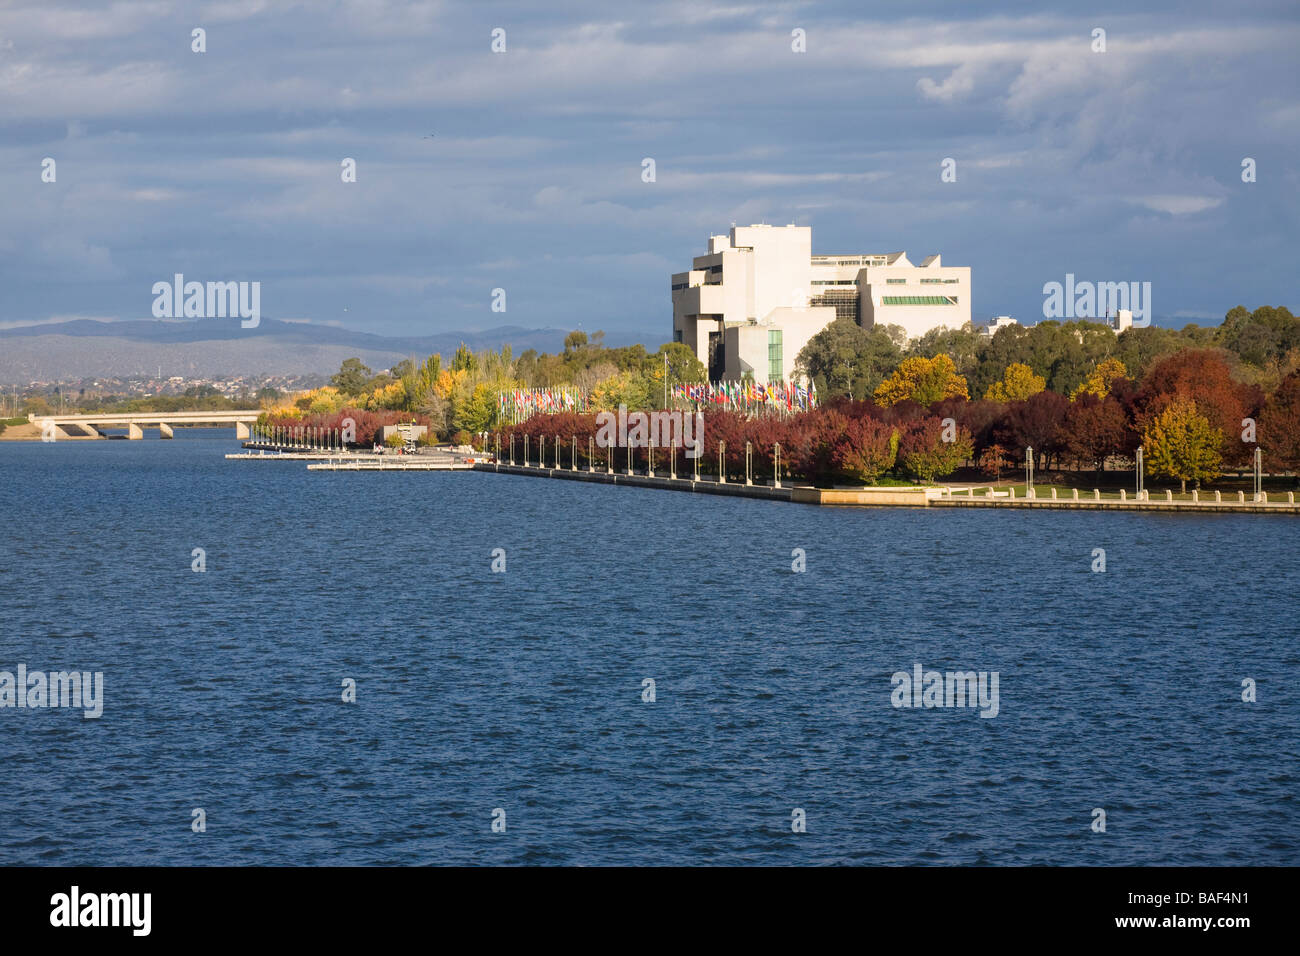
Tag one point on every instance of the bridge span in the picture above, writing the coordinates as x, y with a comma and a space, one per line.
88, 426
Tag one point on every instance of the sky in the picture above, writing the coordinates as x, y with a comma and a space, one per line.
522, 170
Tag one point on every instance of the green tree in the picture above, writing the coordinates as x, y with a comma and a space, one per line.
464, 359
846, 359
352, 377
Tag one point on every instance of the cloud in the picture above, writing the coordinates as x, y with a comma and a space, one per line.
227, 163
1179, 205
959, 82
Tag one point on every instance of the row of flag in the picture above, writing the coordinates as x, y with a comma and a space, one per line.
522, 403
744, 396
517, 405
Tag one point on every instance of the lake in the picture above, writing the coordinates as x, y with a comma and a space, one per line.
523, 691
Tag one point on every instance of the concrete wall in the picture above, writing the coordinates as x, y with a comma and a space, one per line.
874, 283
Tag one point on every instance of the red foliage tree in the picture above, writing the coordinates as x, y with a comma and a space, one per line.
1094, 429
1279, 426
1035, 423
1204, 377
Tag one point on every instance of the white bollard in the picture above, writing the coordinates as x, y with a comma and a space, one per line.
1096, 494
1218, 497
1196, 496
1053, 494
1075, 495
1169, 494
1123, 494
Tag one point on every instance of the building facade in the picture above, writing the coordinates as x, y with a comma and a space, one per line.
750, 304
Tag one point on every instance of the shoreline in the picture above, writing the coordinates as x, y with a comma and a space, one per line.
891, 497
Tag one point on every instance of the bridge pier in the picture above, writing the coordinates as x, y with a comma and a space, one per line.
78, 430
134, 431
165, 430
241, 431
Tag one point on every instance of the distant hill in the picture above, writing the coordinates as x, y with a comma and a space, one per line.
217, 348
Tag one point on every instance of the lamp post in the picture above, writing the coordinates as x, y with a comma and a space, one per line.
650, 458
722, 468
776, 465
672, 461
1139, 475
591, 456
1029, 472
748, 455
1259, 474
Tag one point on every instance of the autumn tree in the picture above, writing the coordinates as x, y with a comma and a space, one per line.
1102, 378
1203, 377
1035, 423
1279, 425
865, 450
1179, 442
922, 380
928, 449
1094, 429
1017, 384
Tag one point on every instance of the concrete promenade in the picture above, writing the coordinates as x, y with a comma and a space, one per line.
707, 486
902, 497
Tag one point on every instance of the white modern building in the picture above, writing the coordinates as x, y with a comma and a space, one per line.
754, 300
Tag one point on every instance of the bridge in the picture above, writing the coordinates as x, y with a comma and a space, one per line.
88, 426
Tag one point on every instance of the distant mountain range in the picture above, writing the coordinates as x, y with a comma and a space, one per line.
220, 348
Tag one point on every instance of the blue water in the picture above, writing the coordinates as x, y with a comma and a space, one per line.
522, 690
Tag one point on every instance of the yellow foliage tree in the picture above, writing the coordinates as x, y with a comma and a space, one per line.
1181, 443
922, 380
449, 381
324, 400
1018, 383
1102, 378
391, 396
